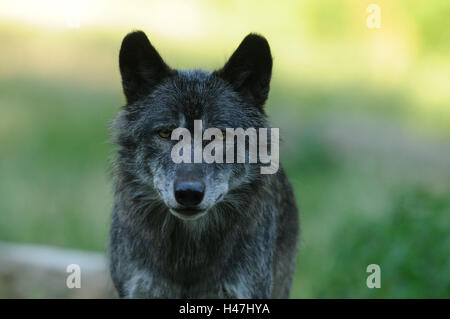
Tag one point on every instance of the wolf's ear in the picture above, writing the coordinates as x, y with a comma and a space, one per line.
140, 65
249, 69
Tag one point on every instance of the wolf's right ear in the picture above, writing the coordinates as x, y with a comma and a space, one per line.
141, 66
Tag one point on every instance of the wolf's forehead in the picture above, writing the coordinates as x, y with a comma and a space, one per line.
194, 75
196, 86
195, 95
199, 92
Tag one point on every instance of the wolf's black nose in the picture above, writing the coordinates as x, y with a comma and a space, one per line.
189, 193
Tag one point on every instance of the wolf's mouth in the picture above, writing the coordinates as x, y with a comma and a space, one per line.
187, 213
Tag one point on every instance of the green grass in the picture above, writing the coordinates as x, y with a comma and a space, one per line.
357, 207
353, 216
54, 186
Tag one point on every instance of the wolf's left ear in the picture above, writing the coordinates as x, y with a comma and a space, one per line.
249, 69
141, 66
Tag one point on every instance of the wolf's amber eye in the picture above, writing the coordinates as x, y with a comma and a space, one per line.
165, 133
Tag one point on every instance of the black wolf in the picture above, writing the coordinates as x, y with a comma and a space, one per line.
196, 230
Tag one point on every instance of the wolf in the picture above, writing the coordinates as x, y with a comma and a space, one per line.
196, 230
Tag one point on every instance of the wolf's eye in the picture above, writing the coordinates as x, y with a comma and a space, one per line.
165, 133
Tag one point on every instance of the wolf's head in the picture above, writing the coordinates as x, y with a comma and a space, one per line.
160, 99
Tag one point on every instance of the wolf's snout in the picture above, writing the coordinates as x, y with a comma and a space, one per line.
189, 193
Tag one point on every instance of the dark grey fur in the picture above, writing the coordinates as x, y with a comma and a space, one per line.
244, 245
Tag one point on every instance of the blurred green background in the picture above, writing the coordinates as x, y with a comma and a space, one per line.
364, 114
